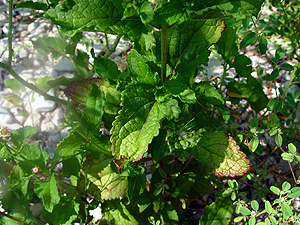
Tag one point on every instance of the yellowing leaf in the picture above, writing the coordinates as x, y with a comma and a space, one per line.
234, 95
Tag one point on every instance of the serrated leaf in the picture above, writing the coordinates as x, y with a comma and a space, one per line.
47, 190
220, 153
13, 84
249, 39
90, 15
180, 90
137, 123
170, 13
53, 45
78, 92
69, 146
42, 83
20, 135
169, 109
140, 70
219, 212
107, 69
14, 99
31, 156
158, 147
32, 5
92, 115
146, 12
105, 183
188, 45
211, 95
116, 212
70, 209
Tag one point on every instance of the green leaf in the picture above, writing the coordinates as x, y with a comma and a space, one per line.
275, 189
53, 45
180, 90
69, 146
107, 69
188, 46
263, 45
170, 13
242, 65
169, 214
220, 153
278, 140
117, 213
103, 15
70, 209
227, 44
32, 5
253, 144
105, 183
286, 66
137, 123
272, 104
47, 190
252, 91
286, 210
141, 70
20, 135
31, 156
92, 115
254, 205
158, 147
136, 185
169, 109
219, 212
295, 192
14, 99
13, 84
286, 186
245, 211
254, 122
279, 54
249, 39
268, 207
287, 156
208, 91
146, 12
42, 83
78, 91
184, 183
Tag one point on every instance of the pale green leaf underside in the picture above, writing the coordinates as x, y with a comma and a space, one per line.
137, 123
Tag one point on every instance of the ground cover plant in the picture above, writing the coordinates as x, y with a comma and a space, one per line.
151, 117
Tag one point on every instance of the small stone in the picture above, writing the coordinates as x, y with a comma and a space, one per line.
42, 105
57, 116
49, 127
54, 138
64, 65
34, 119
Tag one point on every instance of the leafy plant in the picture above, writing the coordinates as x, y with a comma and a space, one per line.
150, 119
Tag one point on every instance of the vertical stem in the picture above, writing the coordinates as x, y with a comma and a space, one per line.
223, 76
9, 34
164, 52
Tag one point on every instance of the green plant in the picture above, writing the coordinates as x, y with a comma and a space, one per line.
151, 118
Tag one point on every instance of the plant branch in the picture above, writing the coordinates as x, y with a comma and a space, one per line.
10, 70
112, 49
164, 52
9, 34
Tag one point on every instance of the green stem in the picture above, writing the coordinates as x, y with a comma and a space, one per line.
164, 52
9, 34
10, 70
223, 76
112, 49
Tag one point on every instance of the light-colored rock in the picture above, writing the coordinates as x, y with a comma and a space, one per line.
34, 119
57, 116
48, 127
64, 65
55, 138
40, 104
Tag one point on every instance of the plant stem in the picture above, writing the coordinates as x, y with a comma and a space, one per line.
111, 50
223, 76
164, 52
10, 70
9, 34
